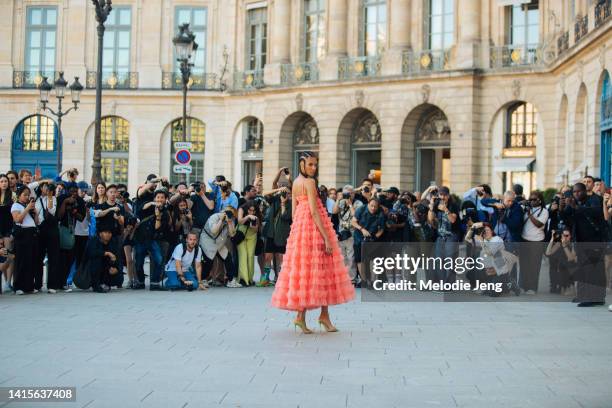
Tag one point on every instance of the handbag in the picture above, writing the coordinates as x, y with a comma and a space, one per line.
66, 236
82, 277
238, 237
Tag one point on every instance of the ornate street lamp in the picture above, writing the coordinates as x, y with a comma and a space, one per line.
59, 86
185, 46
103, 9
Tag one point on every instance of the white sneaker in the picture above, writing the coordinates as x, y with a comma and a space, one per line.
530, 292
19, 292
52, 291
233, 284
67, 289
6, 287
610, 308
35, 291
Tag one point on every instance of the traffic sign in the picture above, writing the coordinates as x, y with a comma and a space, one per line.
182, 169
183, 157
182, 145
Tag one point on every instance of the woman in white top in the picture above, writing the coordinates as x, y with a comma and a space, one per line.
532, 248
25, 218
48, 242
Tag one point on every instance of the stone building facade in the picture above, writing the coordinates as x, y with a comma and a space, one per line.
455, 92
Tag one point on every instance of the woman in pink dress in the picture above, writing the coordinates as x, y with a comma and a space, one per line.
313, 274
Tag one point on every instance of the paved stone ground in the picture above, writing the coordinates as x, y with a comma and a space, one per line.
228, 348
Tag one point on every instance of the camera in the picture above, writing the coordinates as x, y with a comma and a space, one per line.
286, 171
478, 231
125, 195
556, 200
346, 196
253, 223
197, 187
185, 211
422, 209
436, 201
434, 192
283, 194
229, 214
366, 189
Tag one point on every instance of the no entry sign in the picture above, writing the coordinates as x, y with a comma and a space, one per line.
183, 156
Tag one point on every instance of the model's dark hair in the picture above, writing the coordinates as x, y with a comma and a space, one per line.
303, 156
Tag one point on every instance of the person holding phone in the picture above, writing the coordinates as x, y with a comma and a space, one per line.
25, 218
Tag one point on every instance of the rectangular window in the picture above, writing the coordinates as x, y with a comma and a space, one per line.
440, 21
197, 17
257, 38
314, 30
117, 40
374, 28
525, 25
41, 30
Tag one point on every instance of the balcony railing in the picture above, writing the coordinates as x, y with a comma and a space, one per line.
31, 79
113, 80
515, 56
358, 67
581, 27
206, 82
563, 43
602, 12
293, 74
425, 61
248, 80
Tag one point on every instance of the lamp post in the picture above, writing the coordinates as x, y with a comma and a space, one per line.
103, 9
185, 45
60, 91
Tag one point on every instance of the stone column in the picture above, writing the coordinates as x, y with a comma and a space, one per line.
337, 39
6, 45
468, 45
399, 36
148, 61
280, 41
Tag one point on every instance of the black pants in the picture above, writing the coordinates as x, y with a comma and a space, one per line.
49, 245
531, 262
26, 258
228, 262
101, 275
66, 260
80, 242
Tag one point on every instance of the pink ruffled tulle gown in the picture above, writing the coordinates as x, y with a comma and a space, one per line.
309, 277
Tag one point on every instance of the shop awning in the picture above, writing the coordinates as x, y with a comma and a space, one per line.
514, 164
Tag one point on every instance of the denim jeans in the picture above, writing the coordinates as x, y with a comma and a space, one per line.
173, 282
445, 247
141, 249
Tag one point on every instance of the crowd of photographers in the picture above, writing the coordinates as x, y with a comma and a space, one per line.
206, 234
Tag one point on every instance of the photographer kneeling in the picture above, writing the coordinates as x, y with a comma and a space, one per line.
101, 257
562, 253
497, 262
184, 269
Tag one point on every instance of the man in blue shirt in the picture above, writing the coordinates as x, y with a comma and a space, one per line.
222, 193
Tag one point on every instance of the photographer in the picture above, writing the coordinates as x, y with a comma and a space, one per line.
497, 264
276, 230
48, 244
214, 240
365, 192
7, 198
25, 218
369, 224
184, 269
154, 220
102, 259
345, 208
482, 196
200, 204
72, 174
182, 219
590, 234
71, 208
395, 215
443, 216
562, 254
533, 236
146, 193
223, 194
248, 193
508, 218
249, 223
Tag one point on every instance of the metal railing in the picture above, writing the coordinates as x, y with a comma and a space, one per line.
581, 27
248, 80
515, 56
358, 67
207, 82
563, 43
293, 74
416, 62
31, 79
602, 12
113, 80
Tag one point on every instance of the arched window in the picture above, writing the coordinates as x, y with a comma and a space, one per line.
366, 141
196, 134
115, 142
521, 126
35, 145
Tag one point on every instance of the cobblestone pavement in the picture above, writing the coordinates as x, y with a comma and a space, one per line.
228, 348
